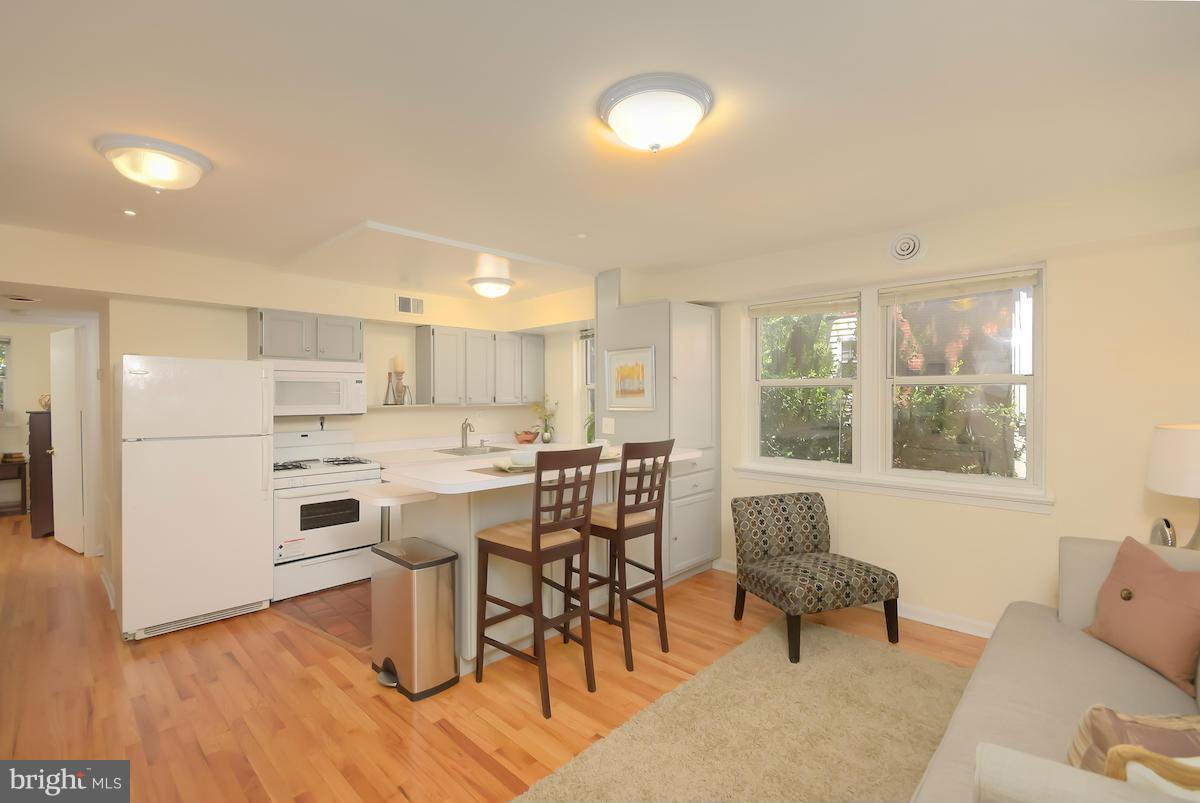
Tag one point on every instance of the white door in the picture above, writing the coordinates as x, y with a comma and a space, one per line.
448, 354
481, 367
508, 368
175, 397
66, 430
195, 528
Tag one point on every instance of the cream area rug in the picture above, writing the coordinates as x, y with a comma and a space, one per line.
854, 720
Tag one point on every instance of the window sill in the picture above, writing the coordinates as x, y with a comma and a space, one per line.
1036, 501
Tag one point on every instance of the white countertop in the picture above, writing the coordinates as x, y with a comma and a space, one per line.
427, 470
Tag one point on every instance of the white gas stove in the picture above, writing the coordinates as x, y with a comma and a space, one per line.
323, 535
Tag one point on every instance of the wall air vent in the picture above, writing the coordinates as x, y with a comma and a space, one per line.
906, 247
410, 305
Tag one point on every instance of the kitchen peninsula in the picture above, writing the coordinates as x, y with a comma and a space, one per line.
470, 498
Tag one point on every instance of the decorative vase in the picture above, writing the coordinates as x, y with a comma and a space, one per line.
547, 435
389, 396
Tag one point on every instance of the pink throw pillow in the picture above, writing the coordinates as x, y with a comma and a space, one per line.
1151, 612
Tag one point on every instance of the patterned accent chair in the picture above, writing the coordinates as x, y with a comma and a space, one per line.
783, 557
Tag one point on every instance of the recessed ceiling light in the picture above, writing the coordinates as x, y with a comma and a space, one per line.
23, 299
131, 213
655, 111
154, 162
582, 235
491, 279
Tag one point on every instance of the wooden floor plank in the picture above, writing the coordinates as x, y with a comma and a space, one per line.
262, 707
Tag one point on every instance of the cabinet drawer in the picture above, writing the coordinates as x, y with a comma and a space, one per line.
690, 484
707, 461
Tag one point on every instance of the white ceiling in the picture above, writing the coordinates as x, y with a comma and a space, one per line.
475, 121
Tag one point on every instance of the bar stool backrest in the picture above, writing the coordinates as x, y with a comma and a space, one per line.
643, 480
564, 482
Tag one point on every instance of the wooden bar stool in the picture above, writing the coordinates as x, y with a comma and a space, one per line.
637, 512
559, 530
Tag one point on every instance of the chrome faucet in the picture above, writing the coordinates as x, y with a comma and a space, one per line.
467, 426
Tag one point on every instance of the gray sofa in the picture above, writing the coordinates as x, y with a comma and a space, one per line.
1009, 736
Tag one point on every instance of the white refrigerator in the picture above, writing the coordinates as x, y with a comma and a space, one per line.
196, 540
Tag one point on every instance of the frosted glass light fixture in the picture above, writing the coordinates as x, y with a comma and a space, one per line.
491, 279
154, 162
655, 111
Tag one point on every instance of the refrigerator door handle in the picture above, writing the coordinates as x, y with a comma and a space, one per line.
266, 466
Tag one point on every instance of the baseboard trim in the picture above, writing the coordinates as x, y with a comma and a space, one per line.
725, 566
947, 621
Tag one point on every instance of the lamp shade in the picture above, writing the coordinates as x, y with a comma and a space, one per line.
1175, 460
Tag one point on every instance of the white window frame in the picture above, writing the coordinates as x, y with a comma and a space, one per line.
760, 383
4, 403
871, 471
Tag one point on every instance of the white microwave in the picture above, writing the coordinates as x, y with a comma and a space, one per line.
304, 387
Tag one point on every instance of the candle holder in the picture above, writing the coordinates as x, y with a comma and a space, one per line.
403, 393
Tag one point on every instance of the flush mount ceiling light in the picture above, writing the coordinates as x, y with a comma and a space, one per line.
154, 162
491, 279
655, 111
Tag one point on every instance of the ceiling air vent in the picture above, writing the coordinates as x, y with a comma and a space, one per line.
410, 305
906, 247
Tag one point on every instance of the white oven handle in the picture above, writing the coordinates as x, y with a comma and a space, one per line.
324, 490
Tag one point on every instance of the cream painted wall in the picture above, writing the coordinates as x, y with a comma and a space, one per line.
563, 385
28, 378
1123, 273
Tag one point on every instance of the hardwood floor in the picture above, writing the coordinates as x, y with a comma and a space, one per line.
262, 708
343, 612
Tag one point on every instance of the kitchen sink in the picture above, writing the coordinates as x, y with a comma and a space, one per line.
468, 451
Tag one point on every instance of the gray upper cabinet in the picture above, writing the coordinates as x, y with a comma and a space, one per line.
441, 365
287, 335
279, 333
533, 368
508, 368
480, 381
339, 338
468, 366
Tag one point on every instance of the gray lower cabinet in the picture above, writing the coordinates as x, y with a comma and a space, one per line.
288, 335
508, 368
339, 338
533, 368
693, 538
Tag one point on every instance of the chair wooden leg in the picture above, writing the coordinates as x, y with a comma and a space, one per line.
893, 620
539, 638
566, 630
739, 603
612, 577
585, 622
622, 584
793, 629
480, 613
660, 601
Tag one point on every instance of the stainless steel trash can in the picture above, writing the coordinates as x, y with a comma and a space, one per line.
412, 617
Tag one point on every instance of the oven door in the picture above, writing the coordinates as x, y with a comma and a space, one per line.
319, 392
321, 520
